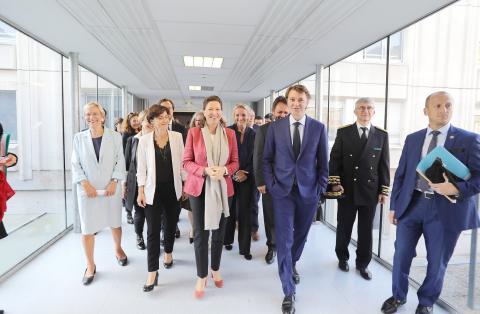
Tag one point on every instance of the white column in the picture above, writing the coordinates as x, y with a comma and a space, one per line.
125, 107
75, 103
319, 91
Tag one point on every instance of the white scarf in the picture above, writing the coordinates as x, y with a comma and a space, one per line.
216, 197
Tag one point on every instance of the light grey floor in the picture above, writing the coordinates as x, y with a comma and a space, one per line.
51, 283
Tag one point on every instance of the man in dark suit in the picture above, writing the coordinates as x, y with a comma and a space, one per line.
419, 208
295, 168
280, 110
174, 126
360, 168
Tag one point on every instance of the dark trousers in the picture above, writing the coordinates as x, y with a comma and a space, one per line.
163, 202
138, 219
241, 212
347, 211
200, 237
254, 208
293, 218
268, 219
420, 218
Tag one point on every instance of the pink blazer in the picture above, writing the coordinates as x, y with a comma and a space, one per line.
195, 160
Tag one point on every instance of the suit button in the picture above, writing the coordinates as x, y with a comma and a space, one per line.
354, 179
351, 155
373, 156
356, 167
368, 180
371, 168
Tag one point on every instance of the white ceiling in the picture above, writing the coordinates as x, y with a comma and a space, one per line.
266, 44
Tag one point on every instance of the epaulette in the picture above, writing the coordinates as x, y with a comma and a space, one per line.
344, 126
379, 128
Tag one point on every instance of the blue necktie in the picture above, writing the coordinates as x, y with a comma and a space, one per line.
296, 140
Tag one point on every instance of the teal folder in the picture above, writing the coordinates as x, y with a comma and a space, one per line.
450, 162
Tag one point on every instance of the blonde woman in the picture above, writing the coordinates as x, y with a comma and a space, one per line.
97, 166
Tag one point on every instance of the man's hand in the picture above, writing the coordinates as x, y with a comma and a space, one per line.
337, 188
124, 190
391, 217
241, 175
262, 189
444, 188
382, 199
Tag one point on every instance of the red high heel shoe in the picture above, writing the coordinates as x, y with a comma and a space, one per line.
218, 283
200, 293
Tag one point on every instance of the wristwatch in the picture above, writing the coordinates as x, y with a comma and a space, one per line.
114, 180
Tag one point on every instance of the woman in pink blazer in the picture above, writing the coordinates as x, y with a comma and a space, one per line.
210, 158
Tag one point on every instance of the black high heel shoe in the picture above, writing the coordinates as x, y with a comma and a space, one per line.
88, 280
148, 288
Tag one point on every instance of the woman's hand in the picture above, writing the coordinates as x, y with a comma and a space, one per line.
215, 173
111, 188
124, 190
241, 176
8, 160
141, 197
89, 189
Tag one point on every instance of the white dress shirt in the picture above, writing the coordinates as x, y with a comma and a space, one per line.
360, 131
441, 138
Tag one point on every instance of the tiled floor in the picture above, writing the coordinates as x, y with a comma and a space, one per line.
51, 283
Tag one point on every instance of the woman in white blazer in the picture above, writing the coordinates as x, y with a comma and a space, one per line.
97, 166
159, 176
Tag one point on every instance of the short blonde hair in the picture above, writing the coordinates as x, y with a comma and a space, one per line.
142, 115
95, 104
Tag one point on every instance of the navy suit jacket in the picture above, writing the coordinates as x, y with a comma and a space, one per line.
310, 169
464, 145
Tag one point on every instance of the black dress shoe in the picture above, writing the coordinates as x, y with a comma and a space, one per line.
296, 276
248, 256
391, 305
177, 232
365, 273
140, 243
424, 309
288, 305
270, 256
88, 279
122, 261
148, 288
191, 240
228, 247
129, 218
343, 265
168, 265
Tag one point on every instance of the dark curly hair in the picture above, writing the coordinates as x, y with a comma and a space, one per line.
1, 131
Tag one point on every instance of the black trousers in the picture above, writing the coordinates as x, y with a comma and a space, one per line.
268, 219
241, 212
164, 201
345, 219
138, 219
254, 208
200, 237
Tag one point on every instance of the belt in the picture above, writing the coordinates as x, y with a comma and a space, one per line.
426, 194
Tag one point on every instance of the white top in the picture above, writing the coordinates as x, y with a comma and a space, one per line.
441, 138
146, 175
301, 127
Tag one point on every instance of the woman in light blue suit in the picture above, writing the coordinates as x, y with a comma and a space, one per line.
97, 166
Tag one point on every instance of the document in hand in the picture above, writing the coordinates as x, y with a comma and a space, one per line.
440, 161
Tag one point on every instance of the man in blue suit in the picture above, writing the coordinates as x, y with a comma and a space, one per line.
419, 208
295, 168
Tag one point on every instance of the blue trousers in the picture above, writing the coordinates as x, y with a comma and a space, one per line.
420, 218
293, 218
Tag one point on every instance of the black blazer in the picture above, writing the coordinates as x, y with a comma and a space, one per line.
260, 136
180, 129
245, 150
364, 171
131, 166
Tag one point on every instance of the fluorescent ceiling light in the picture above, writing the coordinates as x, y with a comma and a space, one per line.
188, 61
203, 62
217, 63
194, 87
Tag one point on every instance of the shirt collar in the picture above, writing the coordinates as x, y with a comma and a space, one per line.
359, 126
443, 130
302, 120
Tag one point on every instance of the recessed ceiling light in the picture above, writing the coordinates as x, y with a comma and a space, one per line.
194, 87
203, 62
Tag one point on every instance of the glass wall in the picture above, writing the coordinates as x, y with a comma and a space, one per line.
110, 97
31, 111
